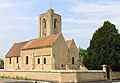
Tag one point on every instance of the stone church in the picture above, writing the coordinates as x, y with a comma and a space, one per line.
50, 51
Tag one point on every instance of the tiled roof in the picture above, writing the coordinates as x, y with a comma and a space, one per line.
41, 42
31, 44
68, 42
15, 50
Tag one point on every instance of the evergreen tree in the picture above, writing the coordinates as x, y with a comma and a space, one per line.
104, 48
82, 52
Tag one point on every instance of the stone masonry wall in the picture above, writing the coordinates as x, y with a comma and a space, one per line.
57, 75
115, 75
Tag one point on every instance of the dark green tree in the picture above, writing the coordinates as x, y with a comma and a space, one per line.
82, 52
1, 64
104, 48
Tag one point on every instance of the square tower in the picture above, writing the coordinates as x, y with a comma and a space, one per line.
49, 24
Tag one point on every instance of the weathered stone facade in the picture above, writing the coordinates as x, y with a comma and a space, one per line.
48, 52
49, 24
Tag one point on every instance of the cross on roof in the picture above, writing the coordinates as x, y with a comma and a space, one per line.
50, 4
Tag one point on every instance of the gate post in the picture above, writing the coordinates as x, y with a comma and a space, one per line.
105, 71
110, 73
104, 68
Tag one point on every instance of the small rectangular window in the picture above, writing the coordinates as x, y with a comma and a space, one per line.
26, 59
44, 60
17, 60
10, 60
38, 60
73, 60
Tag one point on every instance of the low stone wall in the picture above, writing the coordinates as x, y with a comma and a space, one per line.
57, 75
91, 75
115, 75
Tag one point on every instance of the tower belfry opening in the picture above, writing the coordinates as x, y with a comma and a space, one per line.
49, 23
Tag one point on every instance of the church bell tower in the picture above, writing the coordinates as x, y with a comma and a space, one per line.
49, 23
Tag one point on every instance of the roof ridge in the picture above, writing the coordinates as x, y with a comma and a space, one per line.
41, 42
69, 42
21, 42
27, 44
56, 37
15, 49
10, 50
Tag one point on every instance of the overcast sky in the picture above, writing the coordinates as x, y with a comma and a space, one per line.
80, 19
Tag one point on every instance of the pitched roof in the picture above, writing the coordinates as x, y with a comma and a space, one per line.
15, 50
68, 42
41, 42
31, 44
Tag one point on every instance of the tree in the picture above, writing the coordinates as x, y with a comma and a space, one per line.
104, 48
1, 64
82, 52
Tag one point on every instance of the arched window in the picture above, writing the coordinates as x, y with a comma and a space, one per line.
16, 59
38, 60
26, 59
62, 65
44, 27
9, 60
44, 60
55, 26
73, 60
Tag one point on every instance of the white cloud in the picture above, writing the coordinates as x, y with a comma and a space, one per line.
83, 21
6, 5
10, 25
96, 8
21, 3
94, 13
79, 32
95, 20
22, 18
